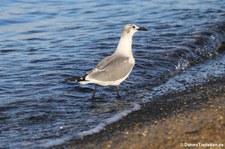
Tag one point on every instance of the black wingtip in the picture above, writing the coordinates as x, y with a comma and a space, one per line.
75, 79
72, 79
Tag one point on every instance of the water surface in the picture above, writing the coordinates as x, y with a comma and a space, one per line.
42, 43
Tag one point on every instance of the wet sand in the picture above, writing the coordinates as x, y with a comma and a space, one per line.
195, 117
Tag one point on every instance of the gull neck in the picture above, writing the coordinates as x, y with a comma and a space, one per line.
124, 47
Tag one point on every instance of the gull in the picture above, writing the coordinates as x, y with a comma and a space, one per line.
113, 69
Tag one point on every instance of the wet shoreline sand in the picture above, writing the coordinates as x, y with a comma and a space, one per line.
193, 117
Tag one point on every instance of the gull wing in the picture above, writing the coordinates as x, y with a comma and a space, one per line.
111, 68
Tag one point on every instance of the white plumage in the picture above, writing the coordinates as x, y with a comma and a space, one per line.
115, 68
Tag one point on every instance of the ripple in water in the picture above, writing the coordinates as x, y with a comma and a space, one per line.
41, 47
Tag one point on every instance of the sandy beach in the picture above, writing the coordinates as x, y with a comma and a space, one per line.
194, 118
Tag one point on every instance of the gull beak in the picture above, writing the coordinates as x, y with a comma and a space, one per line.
142, 29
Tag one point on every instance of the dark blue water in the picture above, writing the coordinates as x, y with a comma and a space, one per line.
42, 43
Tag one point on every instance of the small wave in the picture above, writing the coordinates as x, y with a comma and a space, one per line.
199, 74
182, 64
94, 130
7, 50
33, 38
109, 121
207, 43
43, 60
201, 47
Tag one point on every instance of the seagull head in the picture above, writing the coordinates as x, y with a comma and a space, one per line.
130, 29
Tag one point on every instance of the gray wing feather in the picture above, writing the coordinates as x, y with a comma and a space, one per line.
111, 68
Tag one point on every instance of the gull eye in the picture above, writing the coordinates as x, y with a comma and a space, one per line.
133, 27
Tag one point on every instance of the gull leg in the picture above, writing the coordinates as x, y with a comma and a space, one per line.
117, 91
93, 95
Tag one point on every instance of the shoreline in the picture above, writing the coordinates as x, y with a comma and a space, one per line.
193, 117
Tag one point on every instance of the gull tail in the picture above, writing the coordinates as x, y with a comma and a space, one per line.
75, 79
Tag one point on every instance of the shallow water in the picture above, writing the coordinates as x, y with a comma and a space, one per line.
42, 43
